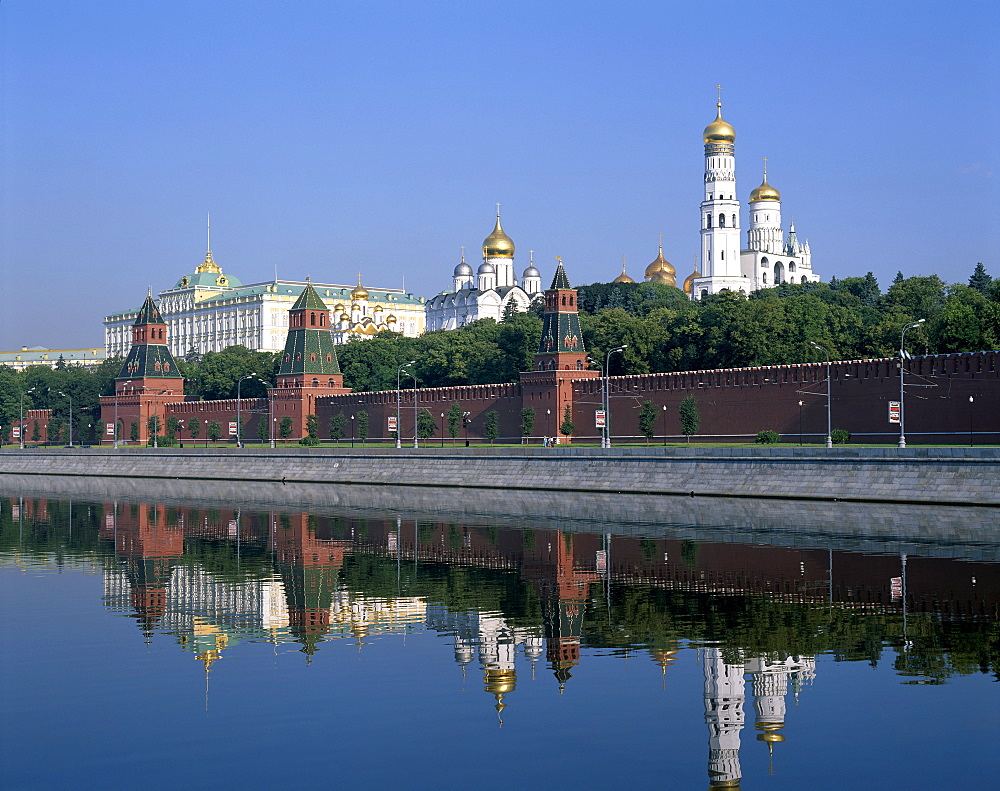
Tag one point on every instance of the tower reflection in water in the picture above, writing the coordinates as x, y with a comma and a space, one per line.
755, 614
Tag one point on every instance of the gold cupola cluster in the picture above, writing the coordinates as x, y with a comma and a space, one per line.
498, 244
661, 271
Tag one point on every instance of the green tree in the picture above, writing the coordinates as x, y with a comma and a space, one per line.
566, 427
312, 426
491, 428
173, 426
363, 426
285, 427
194, 428
647, 420
689, 416
980, 280
213, 431
264, 428
527, 421
425, 424
133, 431
454, 421
337, 423
218, 373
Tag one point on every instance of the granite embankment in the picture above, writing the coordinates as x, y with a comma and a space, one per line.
940, 476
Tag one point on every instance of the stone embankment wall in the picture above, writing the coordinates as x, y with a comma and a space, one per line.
952, 476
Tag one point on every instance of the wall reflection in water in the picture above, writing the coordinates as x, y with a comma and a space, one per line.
755, 615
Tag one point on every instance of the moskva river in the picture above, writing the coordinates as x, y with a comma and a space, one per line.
156, 641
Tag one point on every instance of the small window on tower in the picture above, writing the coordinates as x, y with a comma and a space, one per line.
722, 220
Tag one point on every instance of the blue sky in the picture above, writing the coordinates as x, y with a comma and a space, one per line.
328, 138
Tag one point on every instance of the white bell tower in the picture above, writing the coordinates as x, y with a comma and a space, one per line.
720, 212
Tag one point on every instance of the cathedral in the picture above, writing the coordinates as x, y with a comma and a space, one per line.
770, 258
489, 292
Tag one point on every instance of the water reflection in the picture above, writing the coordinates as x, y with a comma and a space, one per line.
755, 616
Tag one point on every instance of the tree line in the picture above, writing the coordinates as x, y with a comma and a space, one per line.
850, 318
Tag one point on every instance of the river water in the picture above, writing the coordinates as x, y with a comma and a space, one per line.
157, 639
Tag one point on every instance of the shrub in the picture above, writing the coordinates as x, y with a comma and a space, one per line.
840, 436
767, 437
309, 441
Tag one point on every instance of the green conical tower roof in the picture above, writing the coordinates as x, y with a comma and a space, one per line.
561, 280
148, 313
309, 348
309, 300
149, 356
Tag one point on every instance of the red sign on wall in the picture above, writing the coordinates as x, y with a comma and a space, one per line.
894, 411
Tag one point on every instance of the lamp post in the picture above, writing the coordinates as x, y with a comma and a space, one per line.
415, 443
20, 420
70, 397
800, 422
829, 433
971, 400
442, 429
239, 410
399, 404
352, 431
606, 439
664, 409
902, 357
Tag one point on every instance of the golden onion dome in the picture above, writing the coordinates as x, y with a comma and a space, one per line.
391, 319
689, 282
360, 292
719, 131
339, 307
764, 192
345, 317
498, 244
660, 264
623, 277
664, 278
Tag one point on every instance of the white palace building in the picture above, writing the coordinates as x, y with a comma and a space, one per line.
207, 311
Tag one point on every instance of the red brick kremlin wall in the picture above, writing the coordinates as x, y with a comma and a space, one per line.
733, 404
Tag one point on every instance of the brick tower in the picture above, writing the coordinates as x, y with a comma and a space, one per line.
149, 379
309, 366
561, 358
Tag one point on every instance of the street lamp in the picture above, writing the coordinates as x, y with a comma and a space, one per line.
239, 405
442, 429
352, 431
902, 357
606, 439
415, 443
664, 425
20, 421
70, 397
800, 422
829, 434
399, 403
